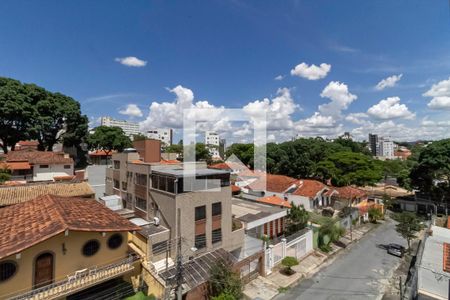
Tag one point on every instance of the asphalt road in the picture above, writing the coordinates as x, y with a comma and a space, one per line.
361, 272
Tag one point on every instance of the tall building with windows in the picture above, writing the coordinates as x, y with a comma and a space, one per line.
386, 148
165, 135
373, 144
130, 128
212, 142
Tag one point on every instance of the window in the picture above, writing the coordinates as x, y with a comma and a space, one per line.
7, 270
141, 179
200, 213
115, 241
216, 236
91, 247
117, 164
217, 209
43, 166
200, 241
124, 185
141, 203
67, 166
116, 184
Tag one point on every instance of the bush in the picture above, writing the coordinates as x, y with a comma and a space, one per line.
224, 296
288, 262
224, 282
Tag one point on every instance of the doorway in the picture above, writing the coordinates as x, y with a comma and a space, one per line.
43, 270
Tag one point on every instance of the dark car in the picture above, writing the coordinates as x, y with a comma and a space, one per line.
396, 249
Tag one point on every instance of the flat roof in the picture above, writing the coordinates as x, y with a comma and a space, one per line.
180, 172
249, 211
151, 229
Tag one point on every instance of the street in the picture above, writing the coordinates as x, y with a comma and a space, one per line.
359, 273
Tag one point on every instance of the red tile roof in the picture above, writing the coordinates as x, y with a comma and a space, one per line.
274, 200
274, 183
101, 153
26, 224
227, 166
38, 157
446, 258
169, 161
235, 189
16, 165
347, 192
309, 188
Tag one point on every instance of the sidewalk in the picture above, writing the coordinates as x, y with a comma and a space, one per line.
268, 287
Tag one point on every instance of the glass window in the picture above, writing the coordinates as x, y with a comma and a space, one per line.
115, 241
67, 166
7, 270
171, 185
43, 166
141, 203
217, 209
124, 185
117, 164
116, 184
91, 247
200, 213
141, 179
200, 241
155, 181
216, 236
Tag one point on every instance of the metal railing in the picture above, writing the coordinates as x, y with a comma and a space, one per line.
79, 280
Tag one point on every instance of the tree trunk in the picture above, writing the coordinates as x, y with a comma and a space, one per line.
4, 147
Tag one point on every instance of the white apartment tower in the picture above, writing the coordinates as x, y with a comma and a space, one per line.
165, 135
386, 148
130, 128
212, 142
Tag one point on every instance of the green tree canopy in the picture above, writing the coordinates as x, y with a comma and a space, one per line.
408, 225
108, 139
223, 280
297, 217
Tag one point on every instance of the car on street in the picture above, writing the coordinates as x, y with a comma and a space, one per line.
396, 249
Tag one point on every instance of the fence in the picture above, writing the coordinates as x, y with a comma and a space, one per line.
297, 245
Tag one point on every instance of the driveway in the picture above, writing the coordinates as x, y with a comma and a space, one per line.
362, 272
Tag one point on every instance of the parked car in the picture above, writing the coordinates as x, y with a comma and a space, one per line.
396, 249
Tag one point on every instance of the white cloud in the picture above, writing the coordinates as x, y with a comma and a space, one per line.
390, 108
312, 72
391, 81
357, 118
279, 77
132, 110
318, 121
131, 61
340, 98
441, 95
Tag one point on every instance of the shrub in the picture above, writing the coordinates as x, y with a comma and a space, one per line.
288, 262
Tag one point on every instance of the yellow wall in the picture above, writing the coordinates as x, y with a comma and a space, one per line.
154, 286
64, 265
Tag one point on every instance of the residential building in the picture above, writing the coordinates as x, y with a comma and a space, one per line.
386, 148
100, 157
434, 266
402, 153
130, 128
212, 142
34, 165
165, 135
15, 194
232, 167
373, 144
52, 247
23, 145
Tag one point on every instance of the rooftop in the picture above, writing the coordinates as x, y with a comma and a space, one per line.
249, 211
309, 187
26, 224
179, 171
273, 183
275, 200
39, 157
10, 195
434, 252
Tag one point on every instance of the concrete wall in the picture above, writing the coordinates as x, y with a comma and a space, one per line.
64, 264
47, 174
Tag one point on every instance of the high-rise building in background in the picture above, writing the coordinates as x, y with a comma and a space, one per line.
165, 135
130, 128
373, 144
386, 148
212, 142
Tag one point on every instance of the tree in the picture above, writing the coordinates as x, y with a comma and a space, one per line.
201, 152
223, 280
243, 151
297, 218
5, 174
108, 139
288, 262
408, 226
375, 214
432, 172
139, 137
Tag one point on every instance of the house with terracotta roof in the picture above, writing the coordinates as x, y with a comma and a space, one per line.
346, 195
23, 145
34, 165
309, 193
233, 167
434, 266
52, 247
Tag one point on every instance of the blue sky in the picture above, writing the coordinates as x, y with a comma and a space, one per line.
228, 53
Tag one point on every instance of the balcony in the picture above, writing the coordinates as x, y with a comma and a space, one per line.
80, 280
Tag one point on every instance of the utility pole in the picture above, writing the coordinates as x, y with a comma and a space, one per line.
401, 291
179, 273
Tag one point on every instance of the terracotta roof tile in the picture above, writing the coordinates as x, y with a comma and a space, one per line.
169, 161
347, 192
274, 183
274, 200
38, 157
26, 224
227, 166
16, 165
28, 143
309, 187
101, 153
446, 258
10, 195
235, 188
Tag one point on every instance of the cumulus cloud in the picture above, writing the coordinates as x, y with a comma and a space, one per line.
357, 118
318, 121
391, 81
279, 77
131, 61
441, 95
340, 98
311, 72
132, 110
390, 108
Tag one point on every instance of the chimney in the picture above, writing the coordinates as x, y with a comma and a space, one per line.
149, 150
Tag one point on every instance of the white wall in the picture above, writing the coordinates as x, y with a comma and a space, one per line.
47, 174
